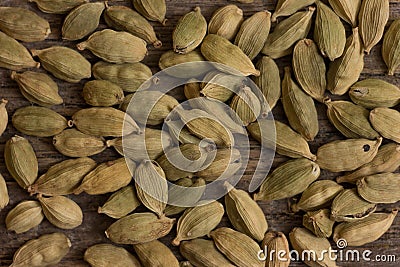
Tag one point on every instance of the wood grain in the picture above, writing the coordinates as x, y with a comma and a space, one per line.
94, 225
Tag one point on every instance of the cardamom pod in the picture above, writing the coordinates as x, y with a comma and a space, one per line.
379, 188
62, 178
61, 211
57, 6
115, 47
347, 10
25, 216
38, 88
226, 21
155, 253
383, 120
104, 255
179, 134
4, 198
120, 203
139, 228
247, 105
220, 86
23, 24
21, 161
276, 241
64, 63
347, 155
3, 116
289, 7
170, 58
288, 179
390, 47
46, 250
319, 222
73, 143
102, 93
153, 10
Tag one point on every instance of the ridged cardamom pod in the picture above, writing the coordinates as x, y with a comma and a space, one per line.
329, 32
104, 255
203, 253
189, 32
120, 203
218, 49
386, 160
364, 231
299, 108
391, 48
57, 6
245, 214
345, 71
247, 105
350, 119
319, 222
286, 34
383, 120
380, 188
62, 212
374, 93
239, 248
289, 7
62, 178
211, 86
276, 241
23, 24
102, 93
373, 16
179, 134
226, 21
170, 58
198, 221
347, 155
310, 69
288, 179
3, 116
115, 47
13, 55
347, 10
82, 21
4, 198
348, 206
104, 121
155, 253
38, 121
269, 80
25, 216
64, 63
21, 161
38, 88
123, 18
107, 177
153, 10
46, 250
318, 195
139, 228
73, 143
303, 240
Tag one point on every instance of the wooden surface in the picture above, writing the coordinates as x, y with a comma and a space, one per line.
92, 230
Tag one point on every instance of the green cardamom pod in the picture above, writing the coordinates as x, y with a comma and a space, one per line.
319, 222
4, 197
104, 255
153, 10
155, 253
25, 216
383, 120
57, 6
379, 188
101, 93
120, 203
226, 21
347, 10
289, 7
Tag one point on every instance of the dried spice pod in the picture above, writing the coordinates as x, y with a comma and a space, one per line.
64, 63
57, 6
25, 216
3, 116
347, 10
226, 21
115, 47
153, 10
342, 211
104, 121
46, 250
383, 120
179, 134
299, 108
23, 24
218, 49
107, 177
13, 55
386, 160
120, 203
104, 255
82, 21
38, 88
123, 18
391, 48
364, 231
318, 195
21, 161
350, 119
220, 86
345, 71
380, 188
139, 228
4, 198
347, 155
276, 241
373, 17
155, 253
102, 93
170, 58
62, 178
286, 34
247, 105
288, 179
319, 222
240, 249
289, 7
303, 240
189, 32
